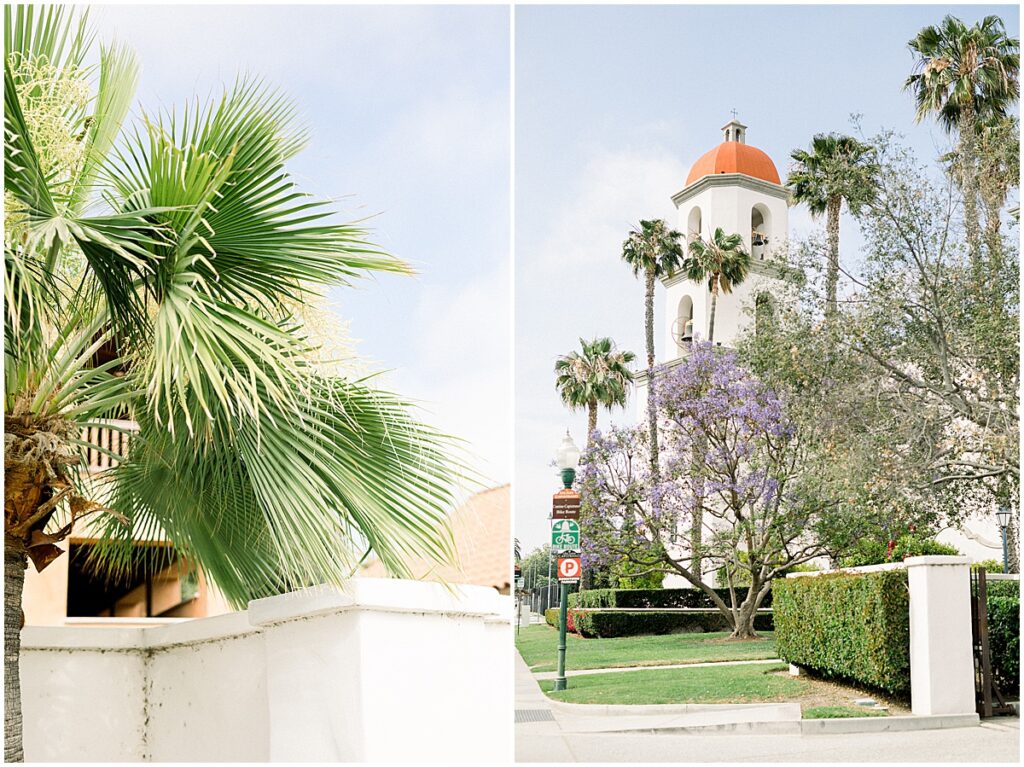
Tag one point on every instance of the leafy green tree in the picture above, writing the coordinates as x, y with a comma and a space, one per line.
153, 275
837, 168
655, 251
963, 73
722, 261
597, 375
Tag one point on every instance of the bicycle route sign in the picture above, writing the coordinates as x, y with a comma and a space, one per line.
565, 535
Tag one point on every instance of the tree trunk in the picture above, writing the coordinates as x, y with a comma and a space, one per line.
832, 268
744, 623
591, 419
652, 416
969, 172
697, 520
993, 197
714, 308
14, 581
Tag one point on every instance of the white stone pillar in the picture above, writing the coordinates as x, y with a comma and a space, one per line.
941, 657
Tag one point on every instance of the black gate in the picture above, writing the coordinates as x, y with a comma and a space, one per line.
988, 698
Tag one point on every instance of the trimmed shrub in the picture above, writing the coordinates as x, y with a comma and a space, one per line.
654, 598
620, 623
849, 626
870, 551
1004, 634
551, 616
990, 565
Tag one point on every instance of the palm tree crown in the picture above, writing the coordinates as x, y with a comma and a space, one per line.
959, 66
722, 261
653, 248
597, 375
837, 168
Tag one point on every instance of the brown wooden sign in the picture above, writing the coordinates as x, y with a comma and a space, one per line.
565, 505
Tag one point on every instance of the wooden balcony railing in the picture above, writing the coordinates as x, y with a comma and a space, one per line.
105, 437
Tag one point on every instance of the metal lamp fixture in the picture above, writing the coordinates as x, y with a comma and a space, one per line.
1003, 515
567, 458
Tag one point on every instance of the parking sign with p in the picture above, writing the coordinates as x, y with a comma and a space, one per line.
569, 569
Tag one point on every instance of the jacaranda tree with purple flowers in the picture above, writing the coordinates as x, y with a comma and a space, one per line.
758, 506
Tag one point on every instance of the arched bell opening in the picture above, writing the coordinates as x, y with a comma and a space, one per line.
760, 231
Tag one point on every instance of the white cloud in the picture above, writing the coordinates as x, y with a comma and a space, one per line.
571, 282
462, 372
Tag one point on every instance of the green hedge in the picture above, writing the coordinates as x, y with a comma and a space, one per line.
1004, 634
654, 598
551, 616
854, 627
616, 623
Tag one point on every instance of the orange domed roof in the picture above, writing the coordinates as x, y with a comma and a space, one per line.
734, 157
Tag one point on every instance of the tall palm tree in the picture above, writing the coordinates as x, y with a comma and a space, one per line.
597, 375
185, 250
961, 74
722, 261
837, 168
655, 251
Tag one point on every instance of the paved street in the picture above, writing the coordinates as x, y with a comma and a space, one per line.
551, 740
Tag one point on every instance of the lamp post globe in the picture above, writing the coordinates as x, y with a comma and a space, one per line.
567, 458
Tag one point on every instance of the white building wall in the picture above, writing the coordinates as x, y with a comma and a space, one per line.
385, 670
83, 695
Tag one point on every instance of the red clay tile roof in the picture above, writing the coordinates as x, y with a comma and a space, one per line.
734, 157
483, 542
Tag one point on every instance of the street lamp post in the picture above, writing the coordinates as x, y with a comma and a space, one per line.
1003, 515
566, 458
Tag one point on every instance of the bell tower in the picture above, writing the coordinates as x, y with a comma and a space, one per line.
737, 187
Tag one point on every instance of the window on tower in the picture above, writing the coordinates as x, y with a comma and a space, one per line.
693, 225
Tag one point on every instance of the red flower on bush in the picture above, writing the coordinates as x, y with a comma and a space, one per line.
570, 624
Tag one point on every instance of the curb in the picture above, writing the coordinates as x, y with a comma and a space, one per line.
732, 728
547, 676
598, 709
851, 725
888, 723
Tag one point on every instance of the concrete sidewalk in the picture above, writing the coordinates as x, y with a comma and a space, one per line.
587, 671
554, 731
538, 736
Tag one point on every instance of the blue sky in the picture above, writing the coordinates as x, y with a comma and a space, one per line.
613, 105
408, 112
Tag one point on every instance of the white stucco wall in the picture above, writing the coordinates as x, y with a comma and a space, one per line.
384, 670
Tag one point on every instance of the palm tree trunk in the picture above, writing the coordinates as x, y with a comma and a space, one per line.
832, 269
14, 581
969, 160
697, 520
591, 419
714, 307
993, 195
652, 416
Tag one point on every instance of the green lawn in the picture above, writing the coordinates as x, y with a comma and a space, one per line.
726, 684
539, 647
840, 712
